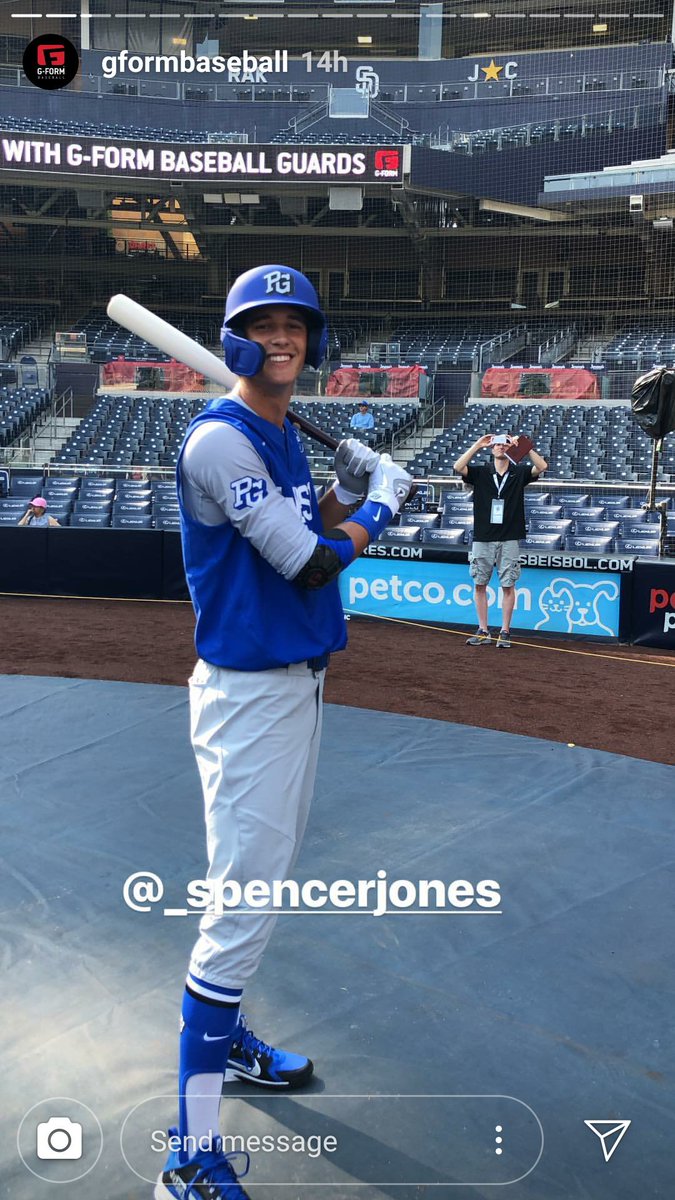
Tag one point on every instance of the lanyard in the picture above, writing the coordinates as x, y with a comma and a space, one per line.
499, 483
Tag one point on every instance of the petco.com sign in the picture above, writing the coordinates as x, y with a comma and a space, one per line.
553, 601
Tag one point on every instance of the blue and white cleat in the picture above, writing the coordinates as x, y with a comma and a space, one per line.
262, 1065
209, 1175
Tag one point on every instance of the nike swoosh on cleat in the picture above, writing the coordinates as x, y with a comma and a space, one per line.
255, 1069
216, 1039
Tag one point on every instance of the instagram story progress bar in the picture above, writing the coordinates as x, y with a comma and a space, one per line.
349, 1141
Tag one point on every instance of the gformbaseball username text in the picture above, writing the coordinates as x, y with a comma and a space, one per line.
377, 897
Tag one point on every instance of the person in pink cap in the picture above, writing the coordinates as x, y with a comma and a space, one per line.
36, 515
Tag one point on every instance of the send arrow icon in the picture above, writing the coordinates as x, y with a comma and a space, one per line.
610, 1134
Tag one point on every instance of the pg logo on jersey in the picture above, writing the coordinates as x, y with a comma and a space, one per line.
279, 283
248, 491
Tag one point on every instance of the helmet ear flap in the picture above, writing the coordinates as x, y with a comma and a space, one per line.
317, 345
242, 356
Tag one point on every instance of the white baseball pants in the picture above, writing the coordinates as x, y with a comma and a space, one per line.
256, 740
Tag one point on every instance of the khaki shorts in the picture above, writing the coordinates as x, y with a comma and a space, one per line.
504, 556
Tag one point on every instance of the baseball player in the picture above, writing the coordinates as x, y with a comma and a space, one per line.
262, 559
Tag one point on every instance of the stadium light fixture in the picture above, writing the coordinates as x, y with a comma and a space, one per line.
601, 27
364, 40
179, 41
480, 16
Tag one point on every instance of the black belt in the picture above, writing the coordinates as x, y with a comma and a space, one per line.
319, 663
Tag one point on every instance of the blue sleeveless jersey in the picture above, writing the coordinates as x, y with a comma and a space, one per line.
249, 617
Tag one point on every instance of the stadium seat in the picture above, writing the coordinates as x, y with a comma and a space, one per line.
166, 521
399, 533
426, 520
131, 506
131, 521
563, 526
596, 528
90, 520
542, 541
92, 506
443, 537
640, 546
589, 545
545, 512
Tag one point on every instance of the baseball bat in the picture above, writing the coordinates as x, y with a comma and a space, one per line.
171, 341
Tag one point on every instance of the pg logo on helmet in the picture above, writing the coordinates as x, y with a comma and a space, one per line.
279, 283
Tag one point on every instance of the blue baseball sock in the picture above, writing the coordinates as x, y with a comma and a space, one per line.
209, 1019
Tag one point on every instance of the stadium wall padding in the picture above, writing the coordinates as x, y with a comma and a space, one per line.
148, 565
91, 563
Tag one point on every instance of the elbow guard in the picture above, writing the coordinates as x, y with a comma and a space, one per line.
333, 552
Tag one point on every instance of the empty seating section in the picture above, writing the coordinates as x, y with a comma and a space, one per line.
584, 442
642, 347
107, 340
20, 324
113, 130
341, 137
95, 501
442, 345
20, 408
127, 431
587, 524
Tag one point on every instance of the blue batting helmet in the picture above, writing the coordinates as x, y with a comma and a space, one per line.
257, 289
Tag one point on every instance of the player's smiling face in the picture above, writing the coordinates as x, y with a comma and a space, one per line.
281, 331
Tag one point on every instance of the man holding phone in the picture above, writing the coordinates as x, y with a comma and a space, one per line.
499, 523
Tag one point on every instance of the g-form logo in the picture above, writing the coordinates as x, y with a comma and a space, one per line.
279, 282
367, 81
570, 607
387, 163
492, 71
51, 56
50, 62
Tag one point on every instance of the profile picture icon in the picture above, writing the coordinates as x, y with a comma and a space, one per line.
50, 61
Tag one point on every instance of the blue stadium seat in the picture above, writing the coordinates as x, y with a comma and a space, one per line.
639, 546
545, 512
92, 506
444, 537
542, 541
596, 528
90, 520
131, 506
426, 520
589, 545
399, 533
166, 521
10, 518
130, 521
563, 526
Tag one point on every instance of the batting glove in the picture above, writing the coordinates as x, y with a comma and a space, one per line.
389, 484
354, 463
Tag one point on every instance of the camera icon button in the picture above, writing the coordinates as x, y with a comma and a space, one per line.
60, 1139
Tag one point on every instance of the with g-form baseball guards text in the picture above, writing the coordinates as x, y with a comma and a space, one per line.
262, 558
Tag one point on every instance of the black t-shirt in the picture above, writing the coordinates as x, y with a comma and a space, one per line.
482, 479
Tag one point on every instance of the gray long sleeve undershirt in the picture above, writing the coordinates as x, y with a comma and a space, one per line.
216, 455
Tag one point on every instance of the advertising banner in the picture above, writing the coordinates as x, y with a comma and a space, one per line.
653, 603
54, 154
550, 601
